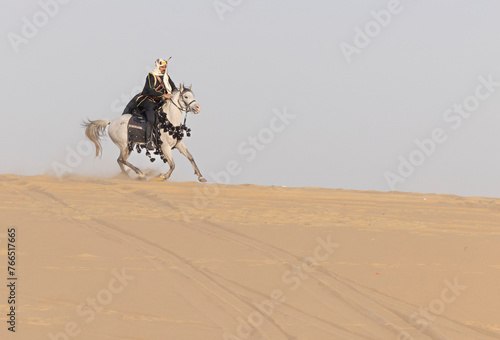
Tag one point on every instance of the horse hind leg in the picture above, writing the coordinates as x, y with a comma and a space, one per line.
122, 161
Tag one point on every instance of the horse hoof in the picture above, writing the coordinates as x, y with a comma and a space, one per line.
158, 179
202, 179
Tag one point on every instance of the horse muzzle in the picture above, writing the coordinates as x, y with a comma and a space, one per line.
196, 109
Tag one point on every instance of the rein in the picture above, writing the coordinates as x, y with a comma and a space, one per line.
187, 109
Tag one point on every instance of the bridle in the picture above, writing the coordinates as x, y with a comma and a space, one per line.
188, 105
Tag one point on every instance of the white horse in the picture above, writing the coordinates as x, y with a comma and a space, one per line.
182, 99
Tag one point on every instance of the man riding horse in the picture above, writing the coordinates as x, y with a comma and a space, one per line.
157, 88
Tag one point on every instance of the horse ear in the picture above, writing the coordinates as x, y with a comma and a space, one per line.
190, 86
181, 87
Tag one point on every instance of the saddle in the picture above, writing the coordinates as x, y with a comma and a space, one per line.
137, 124
137, 129
137, 136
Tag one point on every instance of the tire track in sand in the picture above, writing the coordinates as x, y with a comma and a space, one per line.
384, 309
184, 267
354, 295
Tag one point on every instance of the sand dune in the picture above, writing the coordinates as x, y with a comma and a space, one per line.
121, 259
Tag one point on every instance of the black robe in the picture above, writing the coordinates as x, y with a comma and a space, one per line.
151, 95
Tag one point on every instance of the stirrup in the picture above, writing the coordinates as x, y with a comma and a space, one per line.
150, 146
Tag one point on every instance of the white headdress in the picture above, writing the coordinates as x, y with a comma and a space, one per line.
157, 72
158, 63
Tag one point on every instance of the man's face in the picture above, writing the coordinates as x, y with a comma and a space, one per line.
163, 69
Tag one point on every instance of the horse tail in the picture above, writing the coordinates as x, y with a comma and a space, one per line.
95, 129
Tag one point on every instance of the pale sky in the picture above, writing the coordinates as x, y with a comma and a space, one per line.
369, 95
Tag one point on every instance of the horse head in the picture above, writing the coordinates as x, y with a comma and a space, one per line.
187, 99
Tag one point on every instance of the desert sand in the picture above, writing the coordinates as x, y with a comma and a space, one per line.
122, 259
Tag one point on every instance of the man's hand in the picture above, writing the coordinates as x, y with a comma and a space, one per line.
167, 96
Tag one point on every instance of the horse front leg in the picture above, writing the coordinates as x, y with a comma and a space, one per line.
183, 150
167, 152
